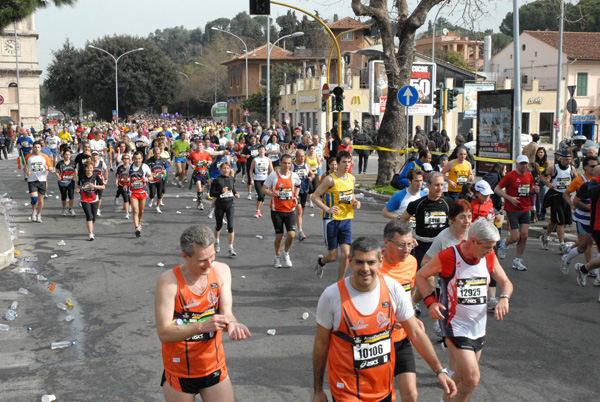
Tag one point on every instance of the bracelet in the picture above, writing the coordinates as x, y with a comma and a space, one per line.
504, 296
429, 300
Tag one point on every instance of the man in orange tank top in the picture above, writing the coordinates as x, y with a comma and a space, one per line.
193, 306
355, 322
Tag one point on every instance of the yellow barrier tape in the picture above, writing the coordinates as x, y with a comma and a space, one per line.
406, 150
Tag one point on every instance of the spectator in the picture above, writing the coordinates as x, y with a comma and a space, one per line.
530, 149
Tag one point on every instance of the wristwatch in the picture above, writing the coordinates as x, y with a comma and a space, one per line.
442, 370
504, 296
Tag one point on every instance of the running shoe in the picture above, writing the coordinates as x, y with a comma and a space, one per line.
319, 267
565, 265
257, 215
211, 213
72, 212
312, 205
150, 203
250, 196
502, 248
581, 277
232, 252
64, 213
179, 184
217, 247
492, 303
39, 218
545, 240
185, 180
111, 169
277, 263
200, 205
518, 265
138, 231
562, 248
287, 262
593, 273
116, 201
162, 204
158, 211
34, 216
99, 212
91, 238
301, 235
208, 197
127, 216
596, 282
417, 309
224, 221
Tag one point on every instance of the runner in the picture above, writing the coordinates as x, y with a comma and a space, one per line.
465, 271
192, 349
273, 150
53, 142
139, 173
141, 142
251, 152
241, 159
335, 196
181, 148
101, 170
88, 185
305, 174
283, 186
82, 159
222, 155
459, 172
37, 165
65, 174
259, 169
396, 206
158, 166
355, 318
201, 160
122, 182
223, 191
561, 176
518, 184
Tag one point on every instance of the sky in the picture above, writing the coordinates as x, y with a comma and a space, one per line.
92, 19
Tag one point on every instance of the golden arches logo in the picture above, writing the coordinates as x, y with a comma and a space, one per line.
355, 100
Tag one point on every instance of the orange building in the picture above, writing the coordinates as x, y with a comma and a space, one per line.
456, 42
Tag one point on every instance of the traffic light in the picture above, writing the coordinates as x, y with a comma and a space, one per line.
324, 105
338, 103
453, 98
437, 99
260, 7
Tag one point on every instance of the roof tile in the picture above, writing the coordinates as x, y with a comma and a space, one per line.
346, 23
576, 45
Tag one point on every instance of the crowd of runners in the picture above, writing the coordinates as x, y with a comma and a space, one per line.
443, 242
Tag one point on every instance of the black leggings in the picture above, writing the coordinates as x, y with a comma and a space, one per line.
67, 191
313, 184
99, 192
123, 192
242, 167
3, 151
164, 185
258, 185
219, 212
90, 209
156, 189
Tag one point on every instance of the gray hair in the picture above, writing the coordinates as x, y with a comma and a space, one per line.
396, 226
433, 175
483, 230
364, 245
198, 235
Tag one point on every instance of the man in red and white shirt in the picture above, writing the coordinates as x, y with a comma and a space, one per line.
36, 169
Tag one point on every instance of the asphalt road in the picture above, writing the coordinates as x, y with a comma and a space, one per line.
545, 350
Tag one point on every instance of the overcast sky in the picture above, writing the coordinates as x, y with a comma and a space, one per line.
91, 19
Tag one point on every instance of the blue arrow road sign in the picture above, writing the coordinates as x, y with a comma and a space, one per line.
408, 96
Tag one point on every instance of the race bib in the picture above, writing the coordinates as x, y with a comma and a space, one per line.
136, 185
254, 152
412, 222
472, 291
407, 287
301, 173
37, 167
183, 155
523, 190
227, 194
284, 194
87, 187
67, 177
435, 219
460, 180
563, 183
263, 167
346, 197
367, 355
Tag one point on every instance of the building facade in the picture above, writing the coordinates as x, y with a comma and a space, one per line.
453, 41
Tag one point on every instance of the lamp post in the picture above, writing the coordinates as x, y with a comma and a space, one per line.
214, 72
116, 59
269, 48
188, 102
245, 50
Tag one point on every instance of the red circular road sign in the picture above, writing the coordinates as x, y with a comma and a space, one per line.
325, 91
287, 119
1, 99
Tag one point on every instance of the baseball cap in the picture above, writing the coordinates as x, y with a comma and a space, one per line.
522, 159
483, 187
427, 167
94, 152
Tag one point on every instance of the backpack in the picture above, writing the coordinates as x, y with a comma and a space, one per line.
395, 178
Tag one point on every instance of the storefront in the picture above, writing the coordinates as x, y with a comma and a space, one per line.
587, 123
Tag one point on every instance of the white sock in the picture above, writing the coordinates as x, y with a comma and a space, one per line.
572, 254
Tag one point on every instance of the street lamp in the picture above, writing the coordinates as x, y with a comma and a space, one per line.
116, 59
214, 72
188, 102
245, 49
269, 48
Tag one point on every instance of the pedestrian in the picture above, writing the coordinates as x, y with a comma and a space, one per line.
65, 175
355, 318
305, 174
541, 158
191, 332
396, 206
158, 166
461, 306
100, 169
122, 182
260, 168
530, 149
251, 152
335, 196
36, 168
139, 174
273, 151
181, 149
363, 139
88, 185
223, 191
200, 159
242, 167
518, 185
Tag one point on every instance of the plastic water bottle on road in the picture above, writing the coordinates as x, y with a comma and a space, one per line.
61, 345
14, 305
61, 306
11, 315
4, 327
23, 291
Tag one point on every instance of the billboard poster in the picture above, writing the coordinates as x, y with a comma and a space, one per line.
378, 87
422, 79
470, 97
494, 126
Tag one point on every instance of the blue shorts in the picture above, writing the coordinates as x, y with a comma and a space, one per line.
583, 229
54, 152
337, 232
179, 160
201, 179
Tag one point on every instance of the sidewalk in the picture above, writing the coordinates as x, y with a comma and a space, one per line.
7, 249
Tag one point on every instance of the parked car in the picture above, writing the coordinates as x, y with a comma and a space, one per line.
472, 145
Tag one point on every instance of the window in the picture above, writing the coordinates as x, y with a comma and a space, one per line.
525, 122
12, 93
524, 79
582, 79
231, 80
546, 127
263, 76
348, 36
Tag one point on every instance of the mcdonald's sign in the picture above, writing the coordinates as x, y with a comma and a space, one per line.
355, 100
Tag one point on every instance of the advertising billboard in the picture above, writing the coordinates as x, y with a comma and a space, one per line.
494, 126
470, 97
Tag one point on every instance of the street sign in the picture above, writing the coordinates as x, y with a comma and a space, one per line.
325, 91
246, 113
287, 119
572, 106
571, 89
408, 96
115, 113
1, 99
115, 117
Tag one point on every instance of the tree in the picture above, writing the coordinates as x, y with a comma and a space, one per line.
398, 66
499, 42
60, 81
177, 44
147, 79
543, 15
16, 10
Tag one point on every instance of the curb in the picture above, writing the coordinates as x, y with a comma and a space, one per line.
7, 248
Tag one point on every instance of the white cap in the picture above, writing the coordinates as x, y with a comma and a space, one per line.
427, 167
483, 187
522, 158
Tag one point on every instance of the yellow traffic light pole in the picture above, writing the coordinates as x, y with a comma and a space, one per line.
335, 42
444, 108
